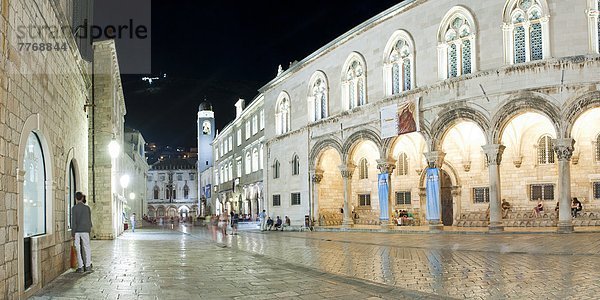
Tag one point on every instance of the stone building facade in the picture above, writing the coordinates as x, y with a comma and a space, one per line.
172, 190
238, 168
43, 146
506, 96
206, 135
135, 165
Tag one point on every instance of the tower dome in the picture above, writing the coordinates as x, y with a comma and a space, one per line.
205, 106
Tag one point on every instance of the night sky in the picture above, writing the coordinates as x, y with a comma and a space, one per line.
225, 50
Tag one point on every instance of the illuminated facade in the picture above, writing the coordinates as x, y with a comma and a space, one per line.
505, 110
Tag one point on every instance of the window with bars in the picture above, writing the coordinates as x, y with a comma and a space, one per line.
452, 61
545, 150
520, 56
296, 199
596, 188
402, 164
526, 18
459, 38
395, 79
364, 200
319, 94
355, 82
399, 58
276, 200
276, 169
403, 198
543, 192
295, 165
407, 75
481, 195
536, 41
363, 169
466, 57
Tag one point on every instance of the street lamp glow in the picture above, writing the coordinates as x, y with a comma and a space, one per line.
124, 181
132, 196
114, 148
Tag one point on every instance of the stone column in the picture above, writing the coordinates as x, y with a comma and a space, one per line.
493, 157
347, 171
564, 151
315, 177
386, 166
435, 159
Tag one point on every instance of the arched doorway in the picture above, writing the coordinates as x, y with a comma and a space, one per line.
446, 197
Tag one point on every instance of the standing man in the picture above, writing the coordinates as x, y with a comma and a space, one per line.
132, 220
263, 220
81, 226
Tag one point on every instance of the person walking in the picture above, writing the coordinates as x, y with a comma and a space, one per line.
132, 221
81, 226
263, 220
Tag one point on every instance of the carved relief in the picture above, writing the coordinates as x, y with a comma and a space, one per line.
564, 148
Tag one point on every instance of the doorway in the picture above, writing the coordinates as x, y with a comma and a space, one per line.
446, 197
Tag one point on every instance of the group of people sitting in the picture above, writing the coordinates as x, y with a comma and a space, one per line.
278, 224
576, 207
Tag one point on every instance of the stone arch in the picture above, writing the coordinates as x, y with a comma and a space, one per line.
320, 146
519, 104
365, 134
575, 108
448, 119
510, 4
390, 143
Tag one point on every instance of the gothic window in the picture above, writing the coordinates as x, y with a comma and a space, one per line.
248, 165
363, 169
545, 150
456, 43
276, 169
156, 191
317, 99
402, 164
34, 188
186, 191
398, 67
295, 165
282, 115
524, 26
354, 83
254, 160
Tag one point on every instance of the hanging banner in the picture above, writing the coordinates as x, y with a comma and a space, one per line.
433, 195
383, 196
399, 119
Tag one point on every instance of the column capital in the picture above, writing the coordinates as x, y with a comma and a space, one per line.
347, 170
316, 176
435, 159
493, 154
564, 148
386, 166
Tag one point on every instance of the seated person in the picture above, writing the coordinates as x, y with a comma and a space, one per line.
269, 223
287, 222
576, 206
538, 208
278, 223
505, 208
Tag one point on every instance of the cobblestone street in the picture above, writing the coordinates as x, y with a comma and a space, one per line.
192, 263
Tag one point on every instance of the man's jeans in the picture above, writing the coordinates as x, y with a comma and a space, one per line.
83, 237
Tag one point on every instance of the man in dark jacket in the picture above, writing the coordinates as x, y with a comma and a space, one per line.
81, 226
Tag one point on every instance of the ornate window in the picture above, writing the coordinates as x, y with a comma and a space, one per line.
282, 114
248, 165
34, 188
363, 169
354, 82
318, 106
254, 160
402, 164
525, 31
399, 63
456, 44
186, 191
295, 165
276, 167
545, 150
156, 191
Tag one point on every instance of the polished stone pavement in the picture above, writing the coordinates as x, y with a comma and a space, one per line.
193, 263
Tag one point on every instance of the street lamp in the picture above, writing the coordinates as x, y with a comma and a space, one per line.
132, 196
114, 148
124, 181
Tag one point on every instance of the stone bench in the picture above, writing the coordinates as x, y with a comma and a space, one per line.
520, 217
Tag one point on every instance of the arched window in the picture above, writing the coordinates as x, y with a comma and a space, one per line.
598, 144
260, 156
186, 191
276, 169
156, 191
363, 169
71, 190
318, 106
174, 192
545, 150
399, 63
248, 164
402, 164
282, 114
354, 82
168, 193
457, 43
34, 188
525, 31
295, 165
254, 160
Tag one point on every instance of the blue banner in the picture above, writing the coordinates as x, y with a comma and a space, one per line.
383, 196
433, 194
